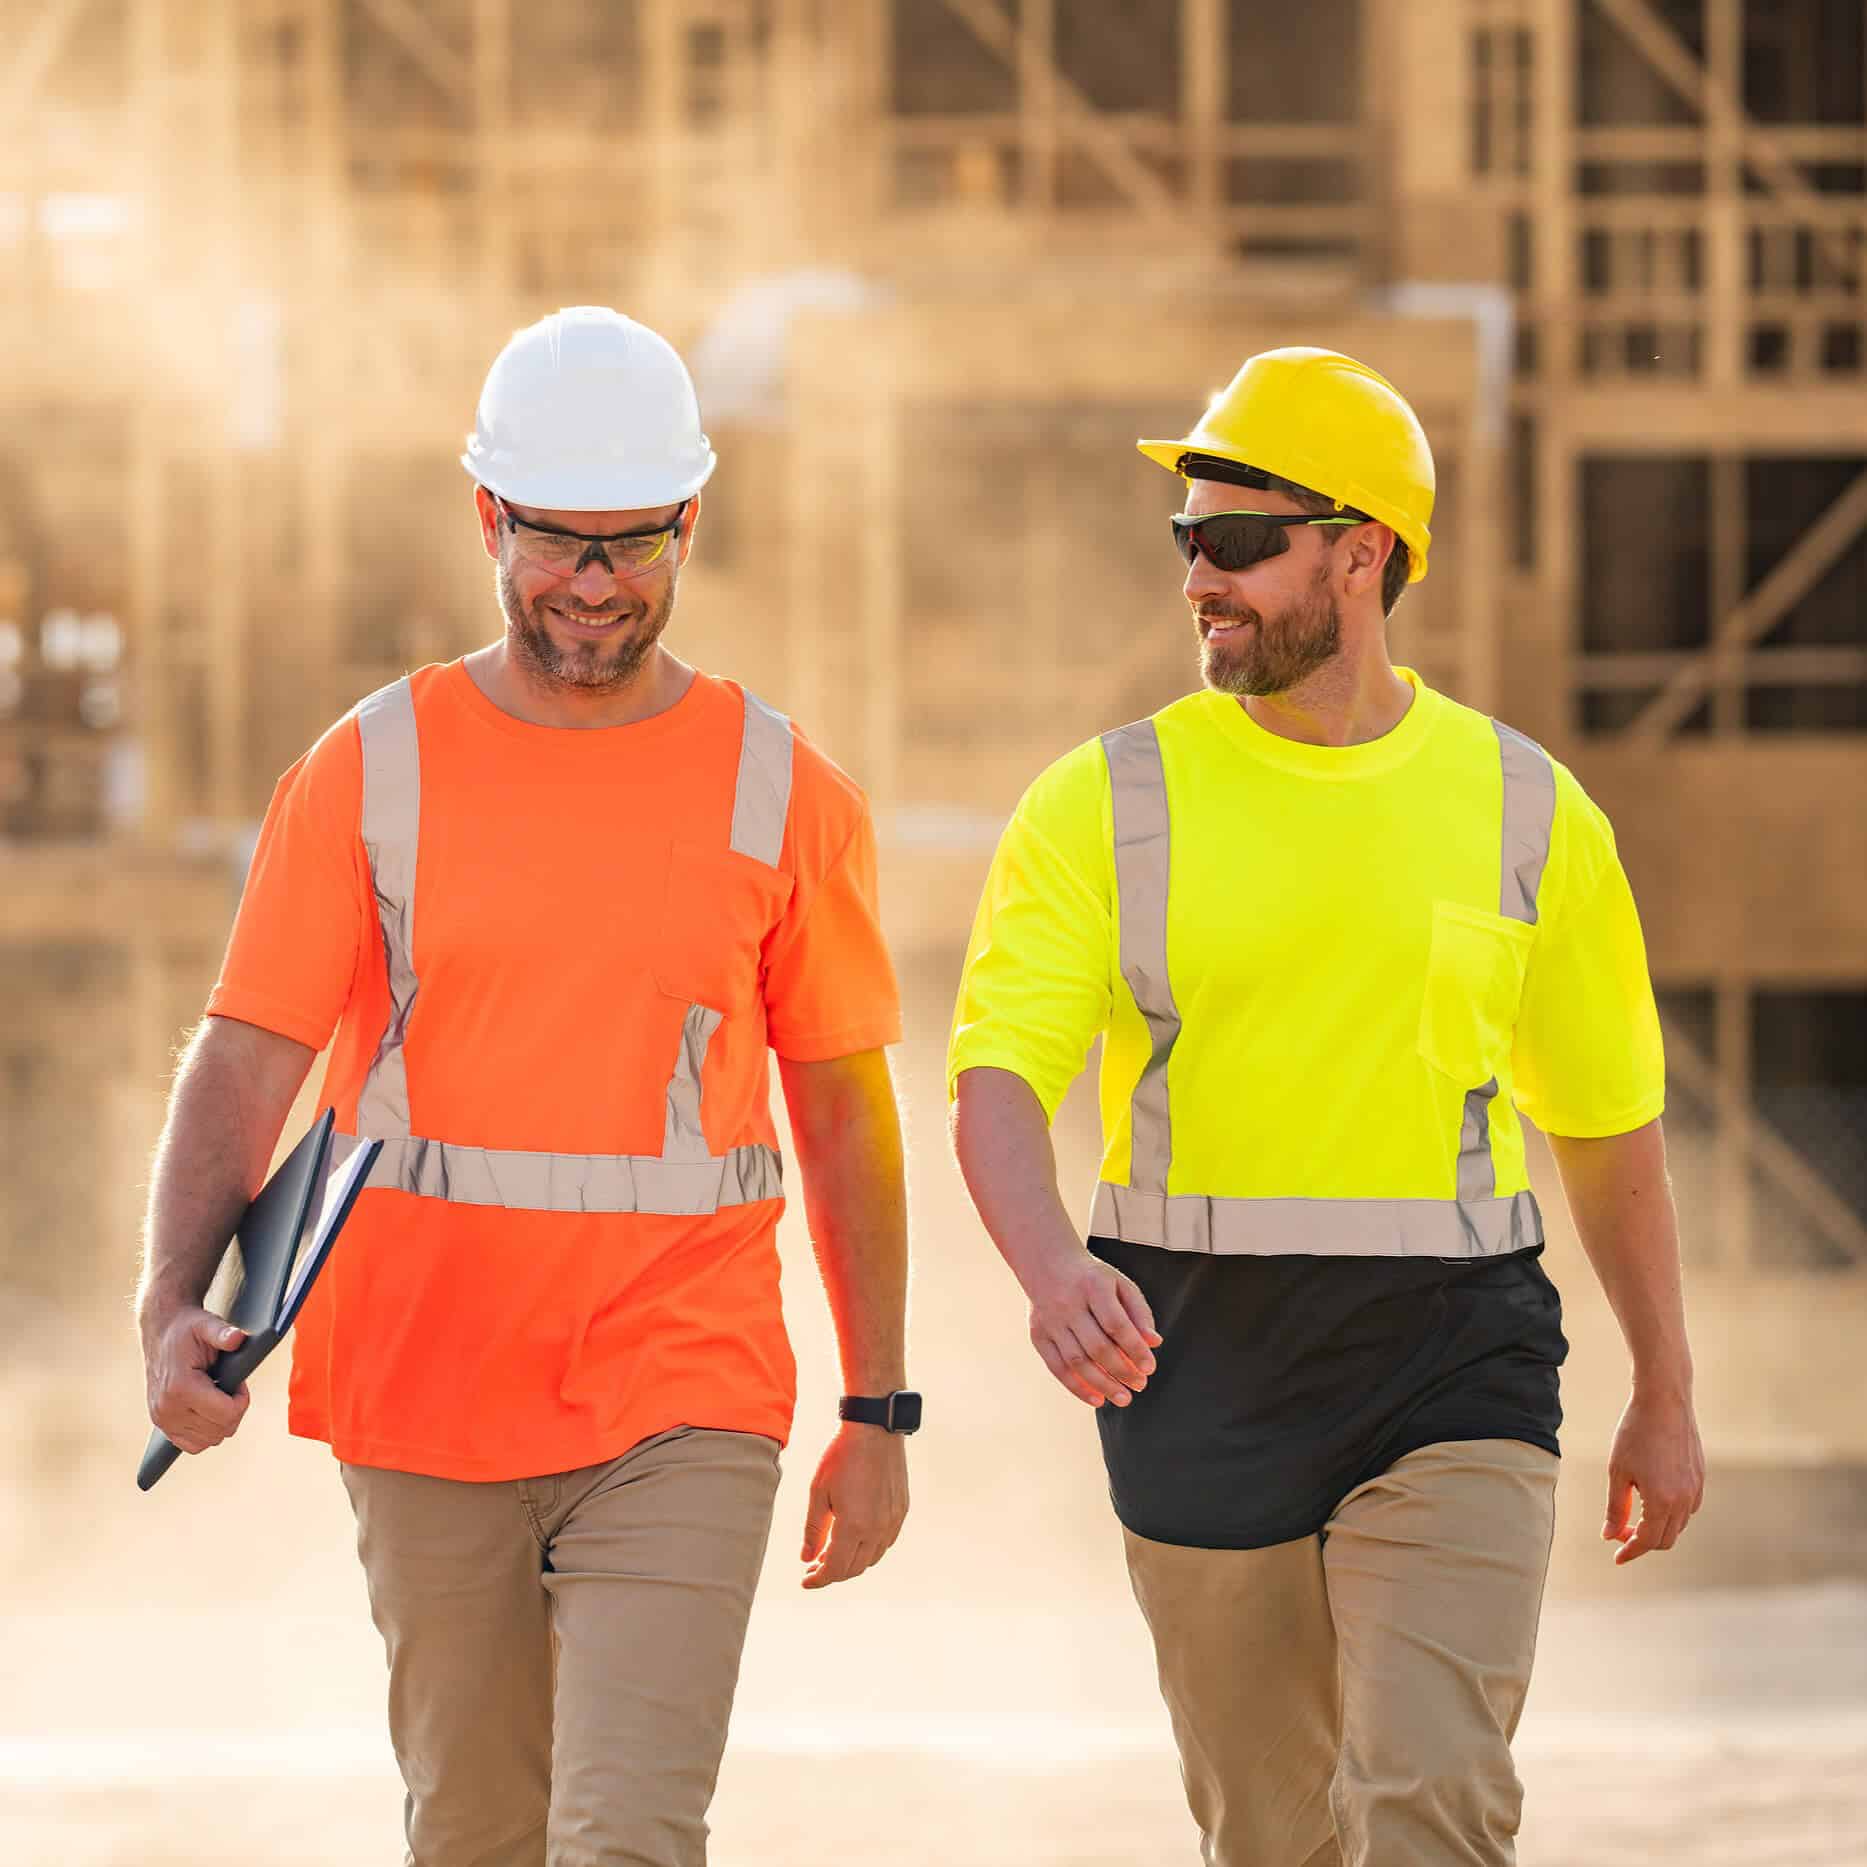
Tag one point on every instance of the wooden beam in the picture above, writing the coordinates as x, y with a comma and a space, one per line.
1730, 525
1760, 1147
1101, 140
1810, 559
492, 117
1790, 665
1037, 99
1205, 30
44, 41
1555, 262
410, 28
1725, 295
1719, 104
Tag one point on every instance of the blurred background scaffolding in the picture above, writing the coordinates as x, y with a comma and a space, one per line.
936, 264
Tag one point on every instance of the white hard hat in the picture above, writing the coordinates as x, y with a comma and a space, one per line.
588, 411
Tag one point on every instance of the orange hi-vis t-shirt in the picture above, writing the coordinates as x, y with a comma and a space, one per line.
576, 893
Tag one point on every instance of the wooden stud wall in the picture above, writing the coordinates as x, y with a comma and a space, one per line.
1640, 321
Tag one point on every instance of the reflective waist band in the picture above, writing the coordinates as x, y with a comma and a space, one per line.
480, 1176
1327, 1228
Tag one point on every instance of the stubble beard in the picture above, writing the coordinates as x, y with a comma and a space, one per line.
596, 666
1279, 653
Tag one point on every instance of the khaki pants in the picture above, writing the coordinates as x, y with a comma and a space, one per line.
1348, 1700
563, 1650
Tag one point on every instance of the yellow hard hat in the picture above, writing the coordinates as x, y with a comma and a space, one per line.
1324, 421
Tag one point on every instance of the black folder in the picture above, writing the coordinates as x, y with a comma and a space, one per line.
276, 1274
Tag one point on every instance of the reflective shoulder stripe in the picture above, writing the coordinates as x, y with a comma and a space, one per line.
1143, 839
392, 837
1529, 817
763, 796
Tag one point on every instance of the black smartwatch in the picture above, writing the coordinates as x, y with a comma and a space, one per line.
899, 1412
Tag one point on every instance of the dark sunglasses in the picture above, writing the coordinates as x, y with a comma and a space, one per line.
1233, 541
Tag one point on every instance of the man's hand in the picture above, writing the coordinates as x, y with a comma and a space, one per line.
1093, 1328
858, 1503
183, 1402
1657, 1453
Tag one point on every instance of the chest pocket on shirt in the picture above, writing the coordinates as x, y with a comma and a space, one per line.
1474, 985
719, 907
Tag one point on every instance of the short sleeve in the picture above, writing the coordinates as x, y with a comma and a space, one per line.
830, 987
1588, 1059
1035, 991
292, 958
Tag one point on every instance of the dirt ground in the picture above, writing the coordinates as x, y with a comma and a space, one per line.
191, 1677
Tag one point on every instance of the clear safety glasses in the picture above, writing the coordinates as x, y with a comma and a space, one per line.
564, 553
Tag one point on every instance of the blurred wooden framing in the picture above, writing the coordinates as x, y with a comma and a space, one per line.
764, 135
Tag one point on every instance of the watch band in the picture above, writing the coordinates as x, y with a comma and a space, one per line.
899, 1412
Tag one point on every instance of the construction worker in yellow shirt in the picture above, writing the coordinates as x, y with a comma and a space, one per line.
1336, 930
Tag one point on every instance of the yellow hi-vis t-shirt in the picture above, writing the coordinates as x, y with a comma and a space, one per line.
1336, 955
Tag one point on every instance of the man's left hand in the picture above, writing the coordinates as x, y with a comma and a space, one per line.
858, 1503
1656, 1453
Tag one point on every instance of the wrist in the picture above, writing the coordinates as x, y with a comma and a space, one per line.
157, 1307
895, 1412
1039, 1259
1666, 1382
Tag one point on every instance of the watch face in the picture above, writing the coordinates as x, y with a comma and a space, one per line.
904, 1411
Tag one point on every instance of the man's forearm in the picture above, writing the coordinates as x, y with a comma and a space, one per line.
1621, 1201
847, 1134
232, 1093
1003, 1145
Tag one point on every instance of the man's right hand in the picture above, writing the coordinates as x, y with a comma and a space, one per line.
177, 1352
1094, 1330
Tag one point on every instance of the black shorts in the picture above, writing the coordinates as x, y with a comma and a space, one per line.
1284, 1382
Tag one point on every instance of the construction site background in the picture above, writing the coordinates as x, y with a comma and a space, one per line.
936, 263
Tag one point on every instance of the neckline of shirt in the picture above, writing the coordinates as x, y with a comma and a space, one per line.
458, 683
1334, 762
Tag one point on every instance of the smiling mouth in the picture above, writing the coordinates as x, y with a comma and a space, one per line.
604, 620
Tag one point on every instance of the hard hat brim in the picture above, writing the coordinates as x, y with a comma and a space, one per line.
586, 489
1164, 453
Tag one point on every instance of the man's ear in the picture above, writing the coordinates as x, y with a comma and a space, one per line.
1369, 548
689, 519
489, 521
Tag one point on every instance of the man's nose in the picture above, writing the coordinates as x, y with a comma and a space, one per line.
594, 582
1202, 580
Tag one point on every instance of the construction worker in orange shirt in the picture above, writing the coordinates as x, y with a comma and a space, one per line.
555, 902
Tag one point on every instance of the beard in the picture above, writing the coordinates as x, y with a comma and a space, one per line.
1280, 652
594, 666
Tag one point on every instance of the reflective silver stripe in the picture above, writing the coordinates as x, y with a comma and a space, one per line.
391, 825
763, 797
1138, 793
1529, 816
1477, 1170
1334, 1228
478, 1176
684, 1178
682, 1137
